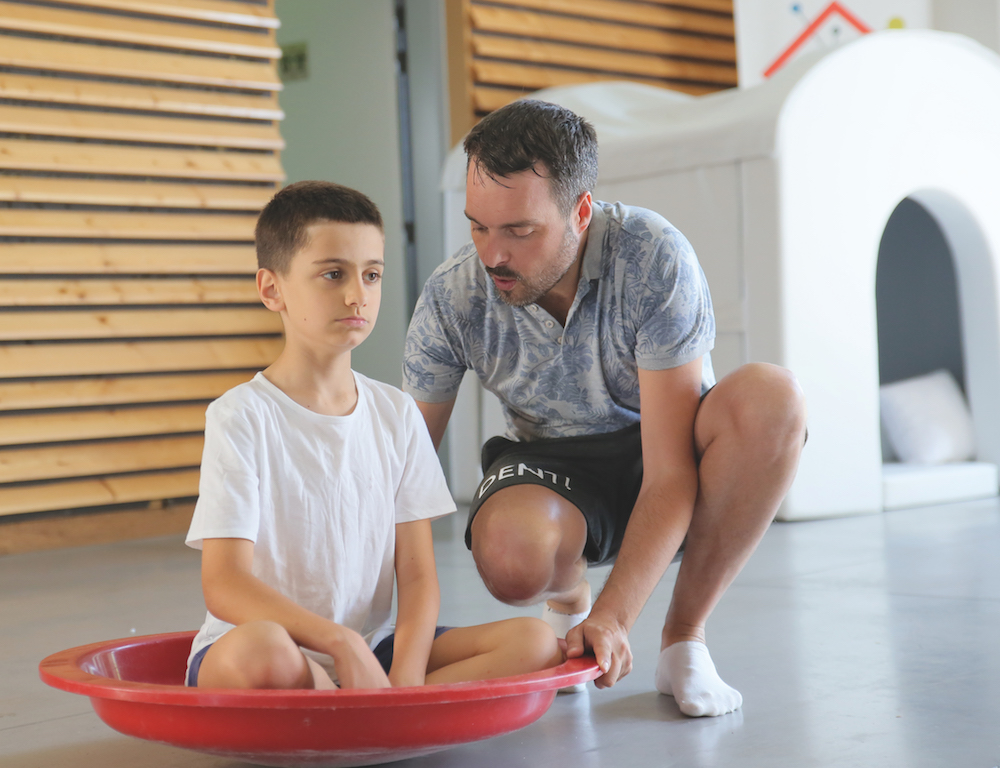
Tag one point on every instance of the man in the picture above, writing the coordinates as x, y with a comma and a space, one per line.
574, 312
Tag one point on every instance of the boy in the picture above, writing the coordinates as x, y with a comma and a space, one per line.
318, 486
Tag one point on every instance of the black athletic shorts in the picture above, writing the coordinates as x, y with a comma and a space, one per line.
599, 474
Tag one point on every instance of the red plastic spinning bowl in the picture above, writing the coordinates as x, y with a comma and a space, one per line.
136, 686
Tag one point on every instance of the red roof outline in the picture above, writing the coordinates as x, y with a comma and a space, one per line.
809, 31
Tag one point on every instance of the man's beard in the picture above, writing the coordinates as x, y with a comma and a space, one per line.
525, 292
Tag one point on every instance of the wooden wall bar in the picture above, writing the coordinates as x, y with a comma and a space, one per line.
500, 50
138, 141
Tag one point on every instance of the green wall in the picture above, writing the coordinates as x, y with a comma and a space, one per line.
341, 125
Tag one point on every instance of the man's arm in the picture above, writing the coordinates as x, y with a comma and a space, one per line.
669, 402
235, 595
419, 600
436, 416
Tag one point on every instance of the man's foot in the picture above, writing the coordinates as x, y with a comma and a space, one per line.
686, 671
562, 622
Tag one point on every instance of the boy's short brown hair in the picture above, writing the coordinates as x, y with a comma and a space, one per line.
281, 227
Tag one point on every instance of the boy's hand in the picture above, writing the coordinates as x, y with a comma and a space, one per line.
356, 665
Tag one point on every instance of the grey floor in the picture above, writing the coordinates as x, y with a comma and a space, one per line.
869, 641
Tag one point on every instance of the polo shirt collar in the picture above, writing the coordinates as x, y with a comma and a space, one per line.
592, 254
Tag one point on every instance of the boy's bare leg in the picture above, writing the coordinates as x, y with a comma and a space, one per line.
260, 654
487, 651
321, 680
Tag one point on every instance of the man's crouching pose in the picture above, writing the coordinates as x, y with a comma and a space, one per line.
580, 315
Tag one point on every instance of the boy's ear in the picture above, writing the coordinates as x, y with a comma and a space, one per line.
267, 289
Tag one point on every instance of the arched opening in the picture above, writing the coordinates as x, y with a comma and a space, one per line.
922, 325
916, 294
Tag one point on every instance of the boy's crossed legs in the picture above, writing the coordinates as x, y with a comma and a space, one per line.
261, 654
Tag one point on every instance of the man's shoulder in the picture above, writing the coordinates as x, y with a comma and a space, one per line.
641, 224
642, 239
460, 269
457, 292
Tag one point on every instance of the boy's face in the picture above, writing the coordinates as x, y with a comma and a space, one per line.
330, 295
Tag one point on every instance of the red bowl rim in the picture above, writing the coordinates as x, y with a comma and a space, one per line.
64, 670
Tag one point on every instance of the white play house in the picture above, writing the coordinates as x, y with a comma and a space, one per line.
785, 190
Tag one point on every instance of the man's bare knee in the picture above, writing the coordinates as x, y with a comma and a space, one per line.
778, 406
515, 562
763, 404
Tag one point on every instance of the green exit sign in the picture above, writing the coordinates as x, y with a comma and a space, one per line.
294, 64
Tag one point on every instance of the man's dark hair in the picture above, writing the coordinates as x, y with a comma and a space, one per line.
528, 133
281, 227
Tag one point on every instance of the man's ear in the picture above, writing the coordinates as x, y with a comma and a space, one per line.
267, 289
583, 212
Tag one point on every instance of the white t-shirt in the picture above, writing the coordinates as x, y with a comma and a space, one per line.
319, 496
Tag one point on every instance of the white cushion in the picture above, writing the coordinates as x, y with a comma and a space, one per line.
926, 419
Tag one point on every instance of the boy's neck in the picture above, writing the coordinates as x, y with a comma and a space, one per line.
325, 386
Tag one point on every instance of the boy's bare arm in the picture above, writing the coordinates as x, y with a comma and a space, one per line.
234, 594
419, 602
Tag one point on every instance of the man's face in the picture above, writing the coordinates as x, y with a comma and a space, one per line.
525, 242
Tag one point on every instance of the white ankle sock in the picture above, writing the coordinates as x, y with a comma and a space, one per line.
562, 623
686, 671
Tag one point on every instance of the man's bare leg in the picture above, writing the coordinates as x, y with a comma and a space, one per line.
527, 542
749, 433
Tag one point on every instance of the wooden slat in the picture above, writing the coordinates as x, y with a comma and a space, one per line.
36, 534
712, 6
94, 492
71, 157
128, 226
582, 57
460, 83
52, 293
488, 99
155, 66
98, 458
226, 12
94, 93
137, 323
64, 393
126, 122
62, 426
159, 33
535, 78
641, 14
114, 126
103, 358
82, 191
125, 259
541, 26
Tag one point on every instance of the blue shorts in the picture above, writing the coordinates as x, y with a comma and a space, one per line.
383, 652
